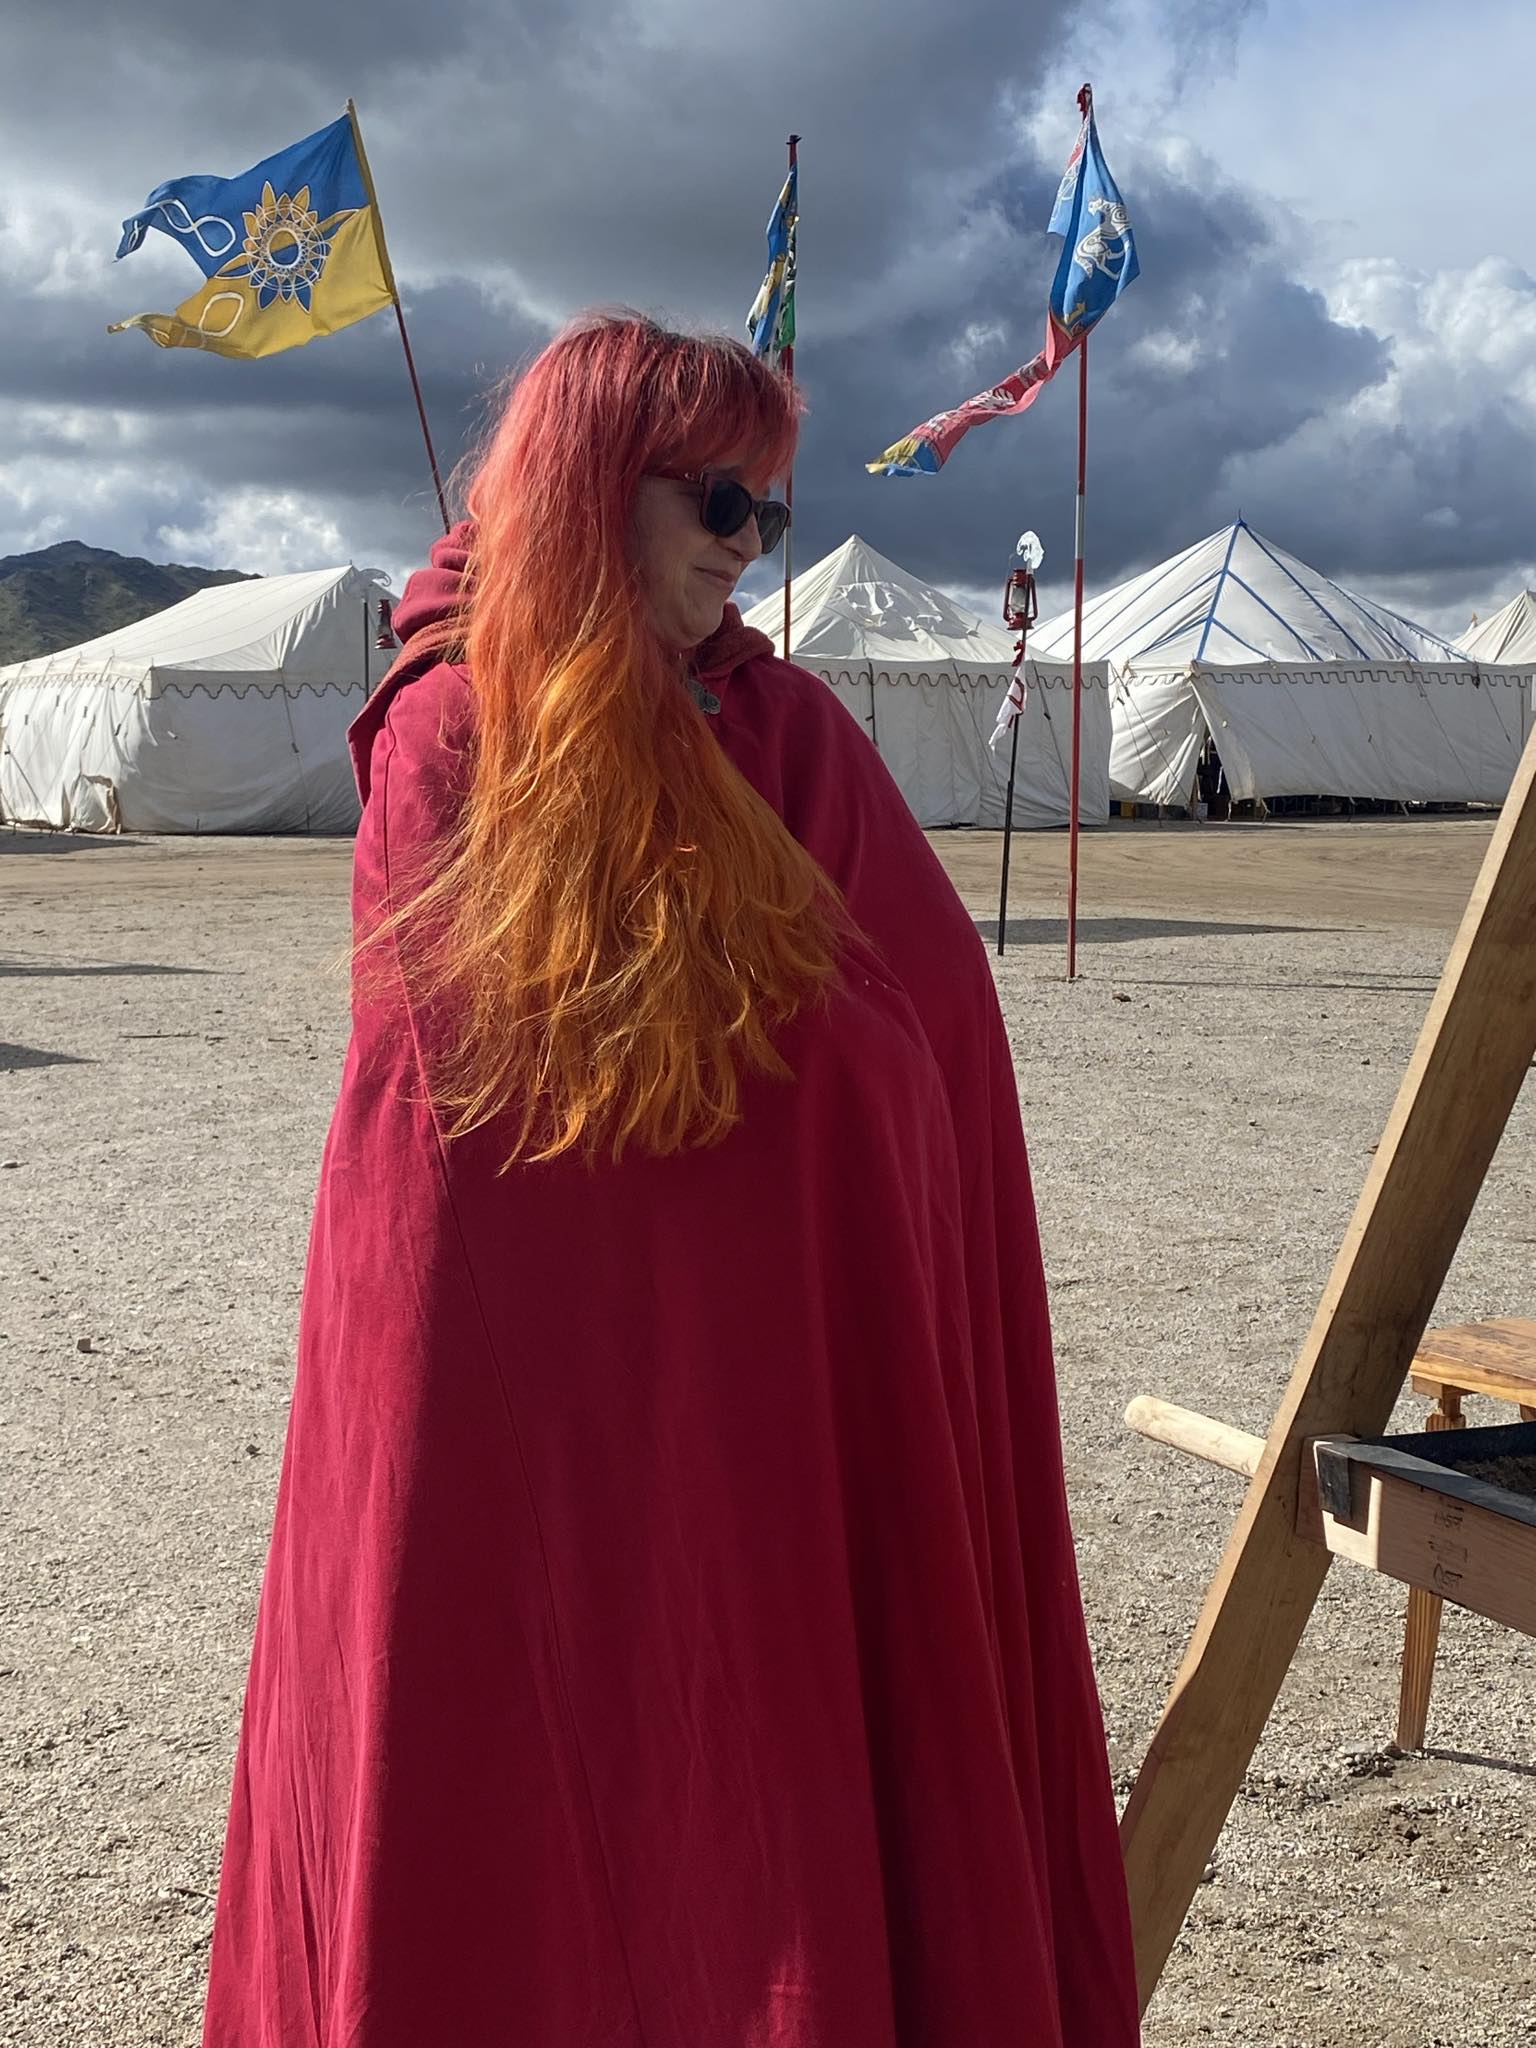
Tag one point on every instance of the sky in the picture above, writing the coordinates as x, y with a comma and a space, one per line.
1333, 336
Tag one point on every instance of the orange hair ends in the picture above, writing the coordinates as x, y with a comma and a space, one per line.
622, 923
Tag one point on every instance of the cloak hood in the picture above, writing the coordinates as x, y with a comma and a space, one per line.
438, 594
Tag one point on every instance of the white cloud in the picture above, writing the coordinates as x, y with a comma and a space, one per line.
273, 533
977, 342
1460, 336
1173, 352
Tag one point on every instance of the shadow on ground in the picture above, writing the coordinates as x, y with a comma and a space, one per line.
39, 970
15, 841
1365, 985
14, 1057
1487, 1763
1113, 931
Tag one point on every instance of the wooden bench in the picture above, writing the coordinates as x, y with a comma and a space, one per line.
1498, 1361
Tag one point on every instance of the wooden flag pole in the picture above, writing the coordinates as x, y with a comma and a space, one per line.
787, 364
394, 293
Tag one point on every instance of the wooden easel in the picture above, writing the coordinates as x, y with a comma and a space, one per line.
1462, 1081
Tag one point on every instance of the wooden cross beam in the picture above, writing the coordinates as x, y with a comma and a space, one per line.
1471, 1058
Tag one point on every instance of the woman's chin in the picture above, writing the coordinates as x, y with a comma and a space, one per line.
706, 622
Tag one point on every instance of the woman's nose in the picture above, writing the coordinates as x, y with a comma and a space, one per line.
747, 542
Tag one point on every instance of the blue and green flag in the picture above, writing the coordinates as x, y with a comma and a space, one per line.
771, 322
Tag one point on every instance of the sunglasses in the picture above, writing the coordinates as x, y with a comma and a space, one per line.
725, 506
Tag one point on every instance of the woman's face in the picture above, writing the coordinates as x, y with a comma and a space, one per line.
686, 572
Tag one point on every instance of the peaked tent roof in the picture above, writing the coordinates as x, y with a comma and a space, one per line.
1232, 599
855, 605
256, 627
1510, 635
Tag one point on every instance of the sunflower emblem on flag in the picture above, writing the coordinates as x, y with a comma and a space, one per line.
290, 249
285, 249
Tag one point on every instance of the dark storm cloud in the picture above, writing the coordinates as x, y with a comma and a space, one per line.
527, 166
1439, 497
531, 161
1163, 432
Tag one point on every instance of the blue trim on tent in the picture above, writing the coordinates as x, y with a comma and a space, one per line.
1098, 624
1380, 614
1221, 578
1099, 616
1313, 599
1280, 619
1258, 653
1178, 602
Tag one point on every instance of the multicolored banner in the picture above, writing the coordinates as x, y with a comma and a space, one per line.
291, 249
1097, 262
771, 322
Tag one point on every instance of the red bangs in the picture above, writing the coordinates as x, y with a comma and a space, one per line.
693, 401
743, 415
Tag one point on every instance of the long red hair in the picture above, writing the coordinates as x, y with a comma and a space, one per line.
621, 924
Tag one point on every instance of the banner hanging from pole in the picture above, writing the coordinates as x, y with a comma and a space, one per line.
1098, 261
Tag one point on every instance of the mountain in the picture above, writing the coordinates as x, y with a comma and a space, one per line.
70, 592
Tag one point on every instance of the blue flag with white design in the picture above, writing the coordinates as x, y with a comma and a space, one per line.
1098, 261
1098, 257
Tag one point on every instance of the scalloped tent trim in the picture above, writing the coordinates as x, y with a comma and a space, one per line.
227, 712
924, 678
1225, 641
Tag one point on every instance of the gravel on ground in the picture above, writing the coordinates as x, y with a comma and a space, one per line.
1202, 1104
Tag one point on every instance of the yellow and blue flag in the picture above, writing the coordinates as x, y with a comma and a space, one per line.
291, 249
771, 322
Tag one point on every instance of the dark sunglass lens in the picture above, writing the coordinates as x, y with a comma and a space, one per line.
772, 519
727, 506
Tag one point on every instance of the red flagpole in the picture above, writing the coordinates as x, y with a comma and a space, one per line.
787, 364
1077, 660
1085, 107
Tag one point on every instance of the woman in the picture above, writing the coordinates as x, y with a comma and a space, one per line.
670, 1637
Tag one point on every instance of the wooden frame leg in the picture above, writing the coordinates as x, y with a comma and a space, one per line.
1421, 1638
1462, 1082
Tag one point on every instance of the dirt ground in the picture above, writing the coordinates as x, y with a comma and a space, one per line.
1201, 1106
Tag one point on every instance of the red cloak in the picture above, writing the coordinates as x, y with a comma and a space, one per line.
671, 1634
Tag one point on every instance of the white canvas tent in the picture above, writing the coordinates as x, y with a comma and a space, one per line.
1509, 636
226, 713
1307, 689
925, 678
